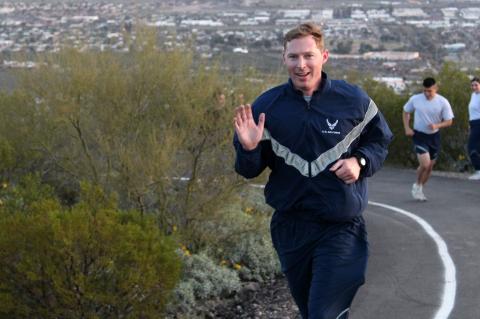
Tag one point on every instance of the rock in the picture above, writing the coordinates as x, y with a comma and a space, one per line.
252, 287
248, 292
268, 300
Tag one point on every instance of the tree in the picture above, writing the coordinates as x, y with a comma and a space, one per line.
143, 125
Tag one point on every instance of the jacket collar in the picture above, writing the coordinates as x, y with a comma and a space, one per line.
325, 85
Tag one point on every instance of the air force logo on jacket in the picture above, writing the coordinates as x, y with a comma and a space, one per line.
331, 127
302, 140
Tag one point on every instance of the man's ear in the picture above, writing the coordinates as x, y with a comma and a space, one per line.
325, 54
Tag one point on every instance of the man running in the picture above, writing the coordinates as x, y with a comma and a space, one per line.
432, 112
320, 138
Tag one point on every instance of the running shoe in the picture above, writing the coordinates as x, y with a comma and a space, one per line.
475, 177
417, 192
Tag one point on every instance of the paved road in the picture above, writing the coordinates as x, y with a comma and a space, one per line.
406, 275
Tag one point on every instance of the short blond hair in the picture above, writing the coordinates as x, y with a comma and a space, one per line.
304, 30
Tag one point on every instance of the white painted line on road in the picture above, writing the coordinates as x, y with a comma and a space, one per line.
450, 281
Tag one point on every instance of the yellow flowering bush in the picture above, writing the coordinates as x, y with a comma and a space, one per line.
95, 262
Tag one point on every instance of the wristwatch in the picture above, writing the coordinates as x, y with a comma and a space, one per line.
362, 162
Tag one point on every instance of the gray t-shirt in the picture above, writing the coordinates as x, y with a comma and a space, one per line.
428, 112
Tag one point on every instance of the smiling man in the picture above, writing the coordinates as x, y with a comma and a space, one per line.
320, 138
304, 61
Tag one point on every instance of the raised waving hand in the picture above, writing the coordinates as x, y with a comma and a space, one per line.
248, 132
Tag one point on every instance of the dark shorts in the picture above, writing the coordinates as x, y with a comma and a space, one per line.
427, 143
324, 262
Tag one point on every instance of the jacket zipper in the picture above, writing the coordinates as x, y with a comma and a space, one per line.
309, 132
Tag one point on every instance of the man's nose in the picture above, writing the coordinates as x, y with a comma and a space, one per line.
301, 63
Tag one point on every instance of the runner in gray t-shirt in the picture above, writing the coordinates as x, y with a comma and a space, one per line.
432, 112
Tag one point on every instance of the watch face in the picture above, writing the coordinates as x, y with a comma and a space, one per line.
363, 162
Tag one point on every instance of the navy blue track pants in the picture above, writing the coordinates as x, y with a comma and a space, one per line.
474, 144
324, 262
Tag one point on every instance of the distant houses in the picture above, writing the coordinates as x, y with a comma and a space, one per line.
370, 30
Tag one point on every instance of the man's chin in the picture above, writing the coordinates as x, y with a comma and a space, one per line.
301, 85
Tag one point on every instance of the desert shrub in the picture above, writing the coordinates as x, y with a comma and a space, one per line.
234, 245
238, 235
391, 106
95, 262
7, 158
203, 279
246, 240
455, 86
255, 257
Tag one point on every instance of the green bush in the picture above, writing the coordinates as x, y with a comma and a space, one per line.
391, 105
84, 262
455, 86
30, 195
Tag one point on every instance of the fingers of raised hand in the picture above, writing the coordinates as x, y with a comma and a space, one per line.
243, 113
248, 111
236, 122
239, 117
240, 113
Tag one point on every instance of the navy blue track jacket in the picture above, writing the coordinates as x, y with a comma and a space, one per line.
303, 140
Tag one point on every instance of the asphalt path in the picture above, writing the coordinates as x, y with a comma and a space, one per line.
407, 272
